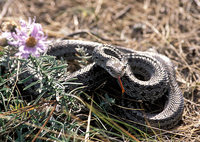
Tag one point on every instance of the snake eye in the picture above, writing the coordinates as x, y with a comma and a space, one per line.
115, 68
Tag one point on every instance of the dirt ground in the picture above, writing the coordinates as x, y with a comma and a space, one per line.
168, 26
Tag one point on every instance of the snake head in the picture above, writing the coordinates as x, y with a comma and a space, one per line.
115, 68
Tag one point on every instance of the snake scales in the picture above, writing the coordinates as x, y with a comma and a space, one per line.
145, 76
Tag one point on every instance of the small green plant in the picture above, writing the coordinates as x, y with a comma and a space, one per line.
36, 103
43, 77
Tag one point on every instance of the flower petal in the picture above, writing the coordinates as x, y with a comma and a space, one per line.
20, 37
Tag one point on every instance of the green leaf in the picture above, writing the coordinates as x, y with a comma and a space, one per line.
57, 67
1, 53
25, 80
32, 84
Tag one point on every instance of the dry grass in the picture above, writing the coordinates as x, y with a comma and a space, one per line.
171, 27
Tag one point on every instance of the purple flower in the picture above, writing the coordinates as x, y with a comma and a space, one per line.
29, 38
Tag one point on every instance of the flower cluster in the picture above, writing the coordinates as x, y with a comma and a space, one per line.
29, 38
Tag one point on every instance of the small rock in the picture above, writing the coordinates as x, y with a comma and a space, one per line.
138, 30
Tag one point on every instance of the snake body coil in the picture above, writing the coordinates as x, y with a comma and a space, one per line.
147, 76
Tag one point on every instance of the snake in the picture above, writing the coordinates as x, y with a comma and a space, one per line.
145, 76
174, 105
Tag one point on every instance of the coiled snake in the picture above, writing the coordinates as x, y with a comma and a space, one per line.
145, 76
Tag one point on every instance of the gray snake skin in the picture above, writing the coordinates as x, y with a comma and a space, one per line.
146, 76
